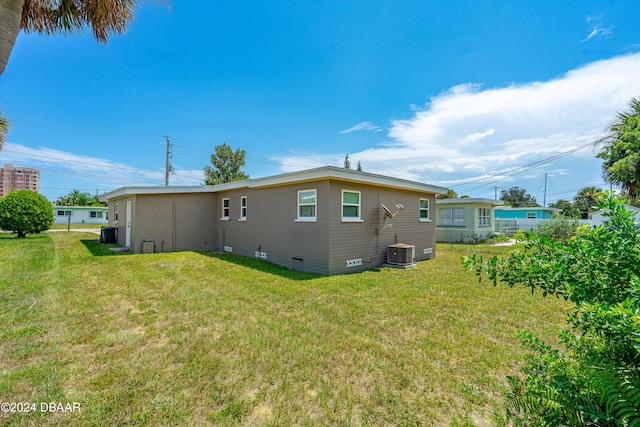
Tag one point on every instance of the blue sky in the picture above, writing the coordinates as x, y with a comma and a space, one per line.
463, 94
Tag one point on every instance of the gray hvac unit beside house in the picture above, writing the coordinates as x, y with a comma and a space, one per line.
401, 254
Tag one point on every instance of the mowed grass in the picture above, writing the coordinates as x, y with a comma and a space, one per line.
215, 339
76, 226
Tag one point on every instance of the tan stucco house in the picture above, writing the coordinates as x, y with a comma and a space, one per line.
326, 220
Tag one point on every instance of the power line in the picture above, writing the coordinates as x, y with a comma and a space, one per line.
58, 119
102, 177
86, 175
90, 136
522, 169
67, 188
74, 161
189, 177
53, 124
87, 133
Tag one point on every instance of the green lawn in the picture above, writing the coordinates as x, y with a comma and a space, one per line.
215, 339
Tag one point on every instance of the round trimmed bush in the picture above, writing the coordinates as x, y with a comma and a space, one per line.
25, 212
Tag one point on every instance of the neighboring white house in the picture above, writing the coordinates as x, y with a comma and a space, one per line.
81, 214
597, 217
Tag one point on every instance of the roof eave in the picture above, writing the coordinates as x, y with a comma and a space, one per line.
326, 172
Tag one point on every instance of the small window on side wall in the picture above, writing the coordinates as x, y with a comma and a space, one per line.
307, 205
424, 210
351, 206
225, 208
243, 208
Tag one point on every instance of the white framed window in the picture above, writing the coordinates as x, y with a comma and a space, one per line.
484, 217
225, 209
453, 217
531, 215
424, 210
243, 208
351, 206
64, 213
95, 214
115, 214
307, 201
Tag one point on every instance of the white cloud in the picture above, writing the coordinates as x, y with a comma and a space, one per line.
471, 131
597, 29
363, 126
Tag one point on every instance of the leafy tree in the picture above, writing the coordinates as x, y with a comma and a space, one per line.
593, 378
569, 208
347, 162
104, 17
226, 165
621, 151
518, 198
359, 167
25, 212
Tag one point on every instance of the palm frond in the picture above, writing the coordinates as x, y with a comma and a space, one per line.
4, 130
104, 17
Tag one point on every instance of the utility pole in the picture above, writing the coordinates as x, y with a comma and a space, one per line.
168, 168
544, 203
495, 192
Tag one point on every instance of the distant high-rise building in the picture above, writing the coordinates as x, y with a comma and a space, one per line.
18, 178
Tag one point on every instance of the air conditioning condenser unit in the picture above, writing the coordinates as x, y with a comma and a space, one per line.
401, 254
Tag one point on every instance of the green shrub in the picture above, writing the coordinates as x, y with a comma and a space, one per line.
594, 377
494, 238
25, 212
519, 235
559, 228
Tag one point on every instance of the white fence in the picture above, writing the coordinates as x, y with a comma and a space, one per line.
510, 226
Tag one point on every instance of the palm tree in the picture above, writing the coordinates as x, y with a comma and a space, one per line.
451, 194
4, 129
10, 18
621, 151
104, 17
585, 200
75, 198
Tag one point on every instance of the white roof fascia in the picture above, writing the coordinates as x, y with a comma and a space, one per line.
331, 172
80, 207
155, 189
470, 200
530, 208
326, 172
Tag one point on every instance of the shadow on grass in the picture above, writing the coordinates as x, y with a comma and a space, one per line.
100, 249
262, 265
